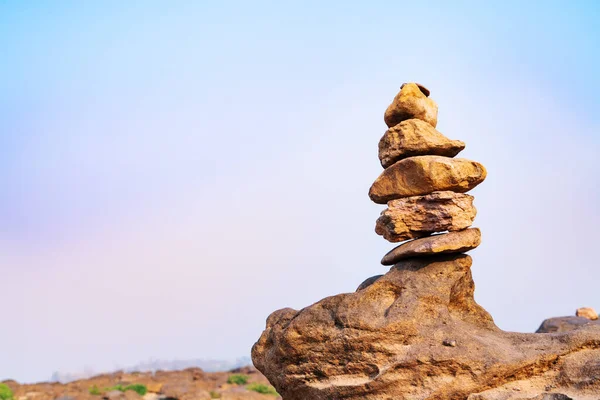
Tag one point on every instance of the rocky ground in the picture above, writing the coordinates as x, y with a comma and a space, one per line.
188, 384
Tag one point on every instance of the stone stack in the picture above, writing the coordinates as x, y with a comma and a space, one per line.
423, 185
417, 332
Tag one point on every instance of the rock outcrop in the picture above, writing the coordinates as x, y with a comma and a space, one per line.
416, 332
564, 324
583, 316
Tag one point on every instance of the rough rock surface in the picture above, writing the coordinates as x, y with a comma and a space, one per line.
418, 216
587, 312
564, 324
446, 243
387, 342
426, 174
414, 137
411, 102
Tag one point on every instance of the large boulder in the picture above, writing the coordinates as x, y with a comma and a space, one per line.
417, 333
411, 102
414, 137
418, 216
421, 175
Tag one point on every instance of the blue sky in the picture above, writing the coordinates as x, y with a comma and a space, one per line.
173, 172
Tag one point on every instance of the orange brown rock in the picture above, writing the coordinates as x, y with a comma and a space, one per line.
414, 137
587, 312
422, 175
419, 216
411, 102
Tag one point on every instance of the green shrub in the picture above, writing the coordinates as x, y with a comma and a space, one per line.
139, 389
5, 392
94, 390
262, 388
238, 379
215, 395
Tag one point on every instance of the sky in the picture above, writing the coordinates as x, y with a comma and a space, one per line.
173, 172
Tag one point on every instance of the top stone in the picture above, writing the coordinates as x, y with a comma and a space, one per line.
412, 102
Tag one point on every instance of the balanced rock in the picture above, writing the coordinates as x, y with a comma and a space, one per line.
418, 216
411, 102
426, 174
587, 312
387, 342
414, 137
446, 243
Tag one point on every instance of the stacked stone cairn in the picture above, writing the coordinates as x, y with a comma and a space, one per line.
417, 332
422, 183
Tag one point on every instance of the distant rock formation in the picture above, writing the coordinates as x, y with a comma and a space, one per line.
583, 316
417, 332
186, 384
157, 365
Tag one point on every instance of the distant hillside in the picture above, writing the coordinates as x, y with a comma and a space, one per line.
158, 365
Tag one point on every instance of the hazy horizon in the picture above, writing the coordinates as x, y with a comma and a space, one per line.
173, 173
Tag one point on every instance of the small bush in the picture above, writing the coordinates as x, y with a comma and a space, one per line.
262, 388
238, 379
5, 392
215, 395
139, 389
94, 390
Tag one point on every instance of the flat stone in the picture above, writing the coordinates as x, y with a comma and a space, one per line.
587, 312
411, 102
418, 216
452, 242
414, 137
422, 175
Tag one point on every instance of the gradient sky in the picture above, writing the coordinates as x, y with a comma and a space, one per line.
174, 171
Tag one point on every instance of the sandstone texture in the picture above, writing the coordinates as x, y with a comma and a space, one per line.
447, 243
418, 216
414, 137
387, 342
587, 312
412, 102
426, 174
